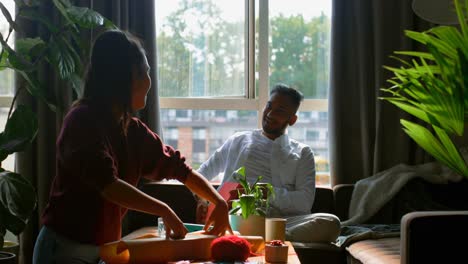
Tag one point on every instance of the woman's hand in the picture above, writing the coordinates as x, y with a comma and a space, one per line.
219, 220
219, 217
126, 195
175, 228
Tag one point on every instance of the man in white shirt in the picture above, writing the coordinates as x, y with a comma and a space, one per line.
284, 162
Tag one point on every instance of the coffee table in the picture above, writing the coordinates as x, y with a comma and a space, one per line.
292, 256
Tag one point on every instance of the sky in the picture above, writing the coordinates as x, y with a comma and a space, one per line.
286, 7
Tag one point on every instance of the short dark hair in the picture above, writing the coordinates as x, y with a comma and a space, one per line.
295, 95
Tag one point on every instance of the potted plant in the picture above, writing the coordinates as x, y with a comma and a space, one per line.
249, 211
63, 50
433, 86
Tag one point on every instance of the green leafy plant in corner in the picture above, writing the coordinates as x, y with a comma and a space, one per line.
254, 198
433, 86
62, 49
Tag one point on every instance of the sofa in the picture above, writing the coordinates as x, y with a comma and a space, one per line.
432, 221
431, 216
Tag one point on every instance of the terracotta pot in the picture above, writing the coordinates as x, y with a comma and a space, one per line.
276, 254
254, 225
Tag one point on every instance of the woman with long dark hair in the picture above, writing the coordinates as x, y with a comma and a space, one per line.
102, 151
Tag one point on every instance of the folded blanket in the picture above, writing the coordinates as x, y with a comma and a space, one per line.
351, 234
372, 193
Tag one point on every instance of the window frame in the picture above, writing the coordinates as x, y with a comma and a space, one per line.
251, 101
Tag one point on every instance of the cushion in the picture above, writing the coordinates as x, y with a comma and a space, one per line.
319, 227
384, 250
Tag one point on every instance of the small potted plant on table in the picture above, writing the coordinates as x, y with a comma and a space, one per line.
248, 212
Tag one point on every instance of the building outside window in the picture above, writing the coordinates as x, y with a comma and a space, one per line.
171, 135
312, 135
217, 61
199, 150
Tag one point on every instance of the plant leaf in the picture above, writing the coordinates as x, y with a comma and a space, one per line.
8, 17
239, 175
62, 58
34, 15
20, 129
85, 17
109, 24
62, 8
438, 150
24, 46
17, 201
3, 59
415, 111
417, 54
247, 203
34, 88
457, 163
15, 59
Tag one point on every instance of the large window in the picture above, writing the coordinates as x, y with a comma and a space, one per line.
217, 60
6, 79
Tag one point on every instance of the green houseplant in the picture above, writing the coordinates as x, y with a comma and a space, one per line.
62, 49
249, 211
253, 199
433, 86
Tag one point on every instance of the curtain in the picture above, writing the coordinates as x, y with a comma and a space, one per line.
37, 163
365, 132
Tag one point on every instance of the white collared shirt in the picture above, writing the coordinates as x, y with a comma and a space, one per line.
285, 163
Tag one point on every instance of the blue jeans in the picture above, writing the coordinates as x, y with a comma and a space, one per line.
51, 248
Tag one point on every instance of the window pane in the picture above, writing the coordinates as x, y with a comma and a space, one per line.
311, 128
6, 75
171, 134
300, 45
6, 79
203, 131
200, 48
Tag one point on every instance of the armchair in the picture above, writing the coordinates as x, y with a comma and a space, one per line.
433, 220
437, 236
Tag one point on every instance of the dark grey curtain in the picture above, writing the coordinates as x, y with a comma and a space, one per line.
365, 133
38, 162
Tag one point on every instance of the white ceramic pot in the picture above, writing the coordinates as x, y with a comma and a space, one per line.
9, 247
7, 258
254, 225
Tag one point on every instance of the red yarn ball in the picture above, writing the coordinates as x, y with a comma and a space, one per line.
230, 248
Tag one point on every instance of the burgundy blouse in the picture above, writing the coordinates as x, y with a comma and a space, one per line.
92, 153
